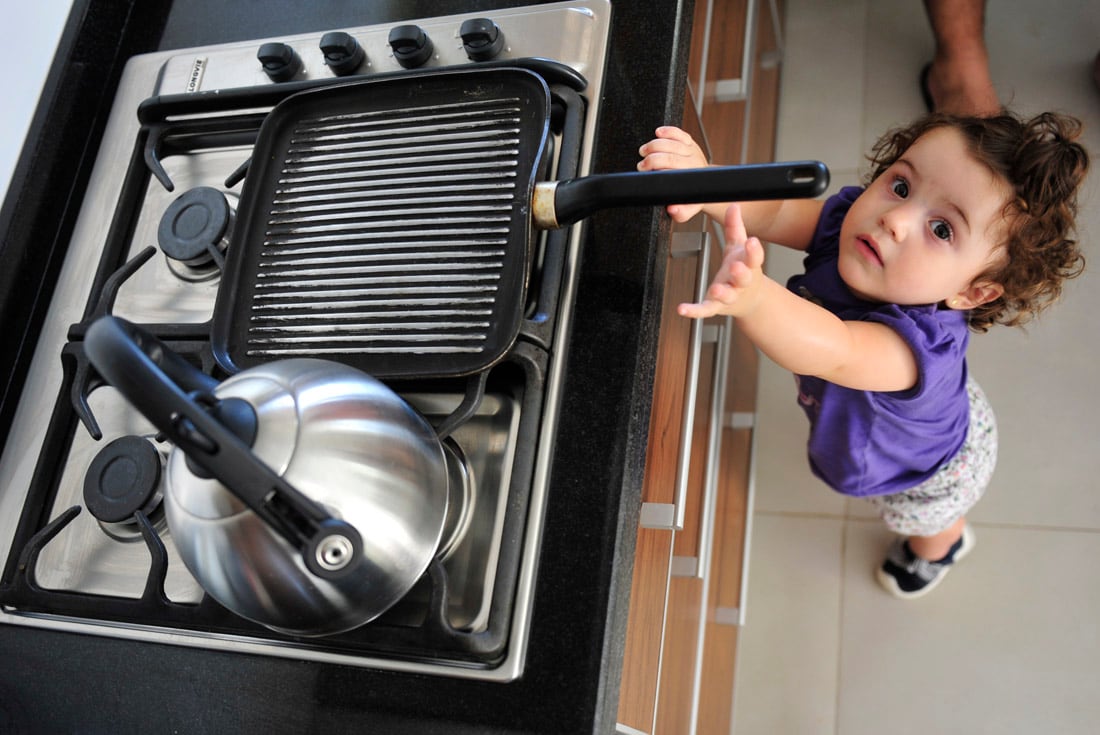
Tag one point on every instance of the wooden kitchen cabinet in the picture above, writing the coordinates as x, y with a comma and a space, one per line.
674, 568
687, 578
663, 493
687, 598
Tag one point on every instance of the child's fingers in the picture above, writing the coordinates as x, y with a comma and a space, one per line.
671, 148
754, 253
658, 145
683, 212
662, 161
740, 274
676, 145
701, 310
719, 297
734, 225
671, 132
723, 293
658, 155
744, 259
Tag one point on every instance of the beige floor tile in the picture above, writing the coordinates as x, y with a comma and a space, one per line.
812, 106
783, 479
1017, 621
1040, 58
899, 42
1048, 423
1008, 643
787, 651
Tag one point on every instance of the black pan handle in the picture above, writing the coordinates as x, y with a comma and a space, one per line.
559, 203
154, 379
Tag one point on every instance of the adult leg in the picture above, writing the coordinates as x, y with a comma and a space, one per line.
959, 81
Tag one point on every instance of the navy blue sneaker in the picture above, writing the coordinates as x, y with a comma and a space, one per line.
906, 575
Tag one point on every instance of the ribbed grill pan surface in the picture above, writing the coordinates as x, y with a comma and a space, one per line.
384, 224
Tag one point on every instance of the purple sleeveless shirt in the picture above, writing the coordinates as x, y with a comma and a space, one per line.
873, 442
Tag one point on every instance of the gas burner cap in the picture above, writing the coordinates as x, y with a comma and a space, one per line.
122, 479
194, 226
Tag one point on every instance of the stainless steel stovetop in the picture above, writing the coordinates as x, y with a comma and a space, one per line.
94, 562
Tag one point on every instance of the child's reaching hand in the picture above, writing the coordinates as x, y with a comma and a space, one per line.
736, 288
673, 148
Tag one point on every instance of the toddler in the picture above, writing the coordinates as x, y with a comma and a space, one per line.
963, 223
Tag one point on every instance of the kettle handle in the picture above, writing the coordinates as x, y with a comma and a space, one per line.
154, 379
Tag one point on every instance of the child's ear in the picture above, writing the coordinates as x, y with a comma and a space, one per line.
976, 294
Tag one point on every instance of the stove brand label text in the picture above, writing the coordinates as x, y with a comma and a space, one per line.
194, 80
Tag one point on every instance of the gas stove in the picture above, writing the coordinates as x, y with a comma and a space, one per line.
149, 246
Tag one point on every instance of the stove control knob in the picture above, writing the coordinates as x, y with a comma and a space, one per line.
411, 45
343, 54
482, 39
280, 61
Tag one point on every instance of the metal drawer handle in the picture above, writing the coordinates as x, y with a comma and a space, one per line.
699, 565
670, 516
683, 466
714, 446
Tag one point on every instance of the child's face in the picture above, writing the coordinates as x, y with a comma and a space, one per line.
926, 227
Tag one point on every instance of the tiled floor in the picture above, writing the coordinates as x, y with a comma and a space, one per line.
1010, 643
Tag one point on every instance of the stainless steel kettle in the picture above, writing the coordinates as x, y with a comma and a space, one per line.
302, 494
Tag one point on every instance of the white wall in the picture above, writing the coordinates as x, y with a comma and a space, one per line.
29, 38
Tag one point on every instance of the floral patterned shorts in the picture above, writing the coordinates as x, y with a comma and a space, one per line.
946, 496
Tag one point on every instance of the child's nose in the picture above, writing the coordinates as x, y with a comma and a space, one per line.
898, 221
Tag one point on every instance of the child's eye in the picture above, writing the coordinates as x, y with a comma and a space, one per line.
941, 229
900, 187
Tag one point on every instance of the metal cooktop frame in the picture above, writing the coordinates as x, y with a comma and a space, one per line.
574, 33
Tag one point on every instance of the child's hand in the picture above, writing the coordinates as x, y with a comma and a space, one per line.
735, 290
673, 148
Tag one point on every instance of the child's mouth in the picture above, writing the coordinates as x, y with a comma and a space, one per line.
867, 248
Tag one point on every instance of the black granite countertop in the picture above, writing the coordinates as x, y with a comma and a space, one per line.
61, 682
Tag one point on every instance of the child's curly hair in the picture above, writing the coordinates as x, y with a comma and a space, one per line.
1043, 164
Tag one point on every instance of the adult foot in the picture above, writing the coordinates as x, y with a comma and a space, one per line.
960, 86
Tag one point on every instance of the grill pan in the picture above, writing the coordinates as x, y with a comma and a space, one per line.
389, 224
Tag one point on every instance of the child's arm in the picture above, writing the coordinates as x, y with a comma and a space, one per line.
788, 222
795, 333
